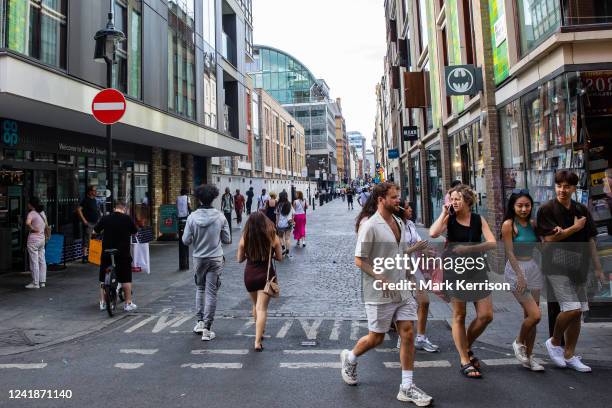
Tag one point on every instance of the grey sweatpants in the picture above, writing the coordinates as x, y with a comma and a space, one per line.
207, 279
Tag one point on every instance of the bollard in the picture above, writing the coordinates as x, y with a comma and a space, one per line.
183, 249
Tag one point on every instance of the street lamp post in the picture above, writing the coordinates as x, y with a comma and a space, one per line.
291, 126
106, 43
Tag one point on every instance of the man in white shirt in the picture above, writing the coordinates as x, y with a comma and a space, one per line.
261, 200
183, 209
363, 197
382, 237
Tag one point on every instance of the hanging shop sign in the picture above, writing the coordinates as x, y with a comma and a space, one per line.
462, 80
393, 153
410, 133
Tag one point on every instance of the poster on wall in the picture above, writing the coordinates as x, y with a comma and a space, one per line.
497, 18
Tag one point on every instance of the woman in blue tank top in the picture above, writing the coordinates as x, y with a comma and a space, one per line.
522, 272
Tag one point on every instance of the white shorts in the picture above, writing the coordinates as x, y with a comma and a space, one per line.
571, 296
380, 317
532, 272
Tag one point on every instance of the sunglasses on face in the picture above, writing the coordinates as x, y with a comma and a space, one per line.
520, 191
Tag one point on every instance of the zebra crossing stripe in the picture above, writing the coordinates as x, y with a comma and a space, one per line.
335, 333
222, 366
24, 366
505, 361
128, 366
311, 365
140, 324
311, 351
419, 364
387, 350
227, 352
146, 352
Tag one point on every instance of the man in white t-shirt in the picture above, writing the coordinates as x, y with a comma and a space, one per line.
183, 209
261, 200
382, 237
363, 196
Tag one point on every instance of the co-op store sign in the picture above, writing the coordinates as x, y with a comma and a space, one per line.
10, 133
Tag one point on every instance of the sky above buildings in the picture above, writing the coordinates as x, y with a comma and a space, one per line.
341, 41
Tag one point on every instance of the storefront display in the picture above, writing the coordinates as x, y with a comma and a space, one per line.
57, 166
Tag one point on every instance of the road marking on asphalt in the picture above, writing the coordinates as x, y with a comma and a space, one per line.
140, 324
387, 350
246, 327
164, 322
311, 365
506, 361
146, 352
128, 366
419, 364
285, 329
311, 329
222, 366
212, 351
335, 333
24, 366
312, 351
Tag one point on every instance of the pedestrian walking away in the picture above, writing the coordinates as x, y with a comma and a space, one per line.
299, 232
239, 207
382, 236
464, 238
363, 196
262, 199
416, 247
89, 215
284, 222
270, 207
249, 200
183, 208
522, 272
36, 223
206, 230
117, 229
258, 245
569, 231
349, 198
227, 205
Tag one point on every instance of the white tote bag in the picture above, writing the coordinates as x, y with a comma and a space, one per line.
141, 261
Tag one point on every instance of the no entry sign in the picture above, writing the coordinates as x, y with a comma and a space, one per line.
108, 106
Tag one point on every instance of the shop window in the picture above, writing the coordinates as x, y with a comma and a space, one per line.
38, 29
416, 189
513, 148
538, 20
587, 12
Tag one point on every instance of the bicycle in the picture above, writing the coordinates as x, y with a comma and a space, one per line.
109, 286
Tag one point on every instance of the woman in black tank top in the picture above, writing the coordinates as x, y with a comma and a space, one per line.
465, 230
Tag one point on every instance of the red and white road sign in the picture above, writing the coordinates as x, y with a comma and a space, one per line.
108, 106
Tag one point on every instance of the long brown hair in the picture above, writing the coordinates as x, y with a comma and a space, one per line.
258, 235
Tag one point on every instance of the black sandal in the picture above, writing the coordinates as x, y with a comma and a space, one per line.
259, 349
474, 360
468, 369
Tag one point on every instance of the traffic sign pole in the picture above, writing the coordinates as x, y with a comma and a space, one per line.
108, 107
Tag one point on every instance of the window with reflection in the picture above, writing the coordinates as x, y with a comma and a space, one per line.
181, 58
37, 28
587, 12
538, 20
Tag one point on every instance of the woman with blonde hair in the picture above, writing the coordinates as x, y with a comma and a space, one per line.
464, 232
258, 245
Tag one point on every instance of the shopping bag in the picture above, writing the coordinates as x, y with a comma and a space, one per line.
95, 252
141, 261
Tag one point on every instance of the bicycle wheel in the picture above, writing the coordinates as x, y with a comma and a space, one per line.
108, 299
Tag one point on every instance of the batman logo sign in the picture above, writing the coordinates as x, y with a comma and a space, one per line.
460, 80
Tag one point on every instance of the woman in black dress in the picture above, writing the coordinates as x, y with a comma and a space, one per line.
464, 232
258, 245
270, 208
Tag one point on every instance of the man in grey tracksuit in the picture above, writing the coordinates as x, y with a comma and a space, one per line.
207, 229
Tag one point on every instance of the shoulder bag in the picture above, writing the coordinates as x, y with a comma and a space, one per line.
271, 289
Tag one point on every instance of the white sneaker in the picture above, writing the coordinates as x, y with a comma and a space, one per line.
102, 306
348, 369
32, 286
415, 395
520, 352
426, 345
208, 335
533, 365
556, 354
577, 365
130, 307
199, 327
42, 284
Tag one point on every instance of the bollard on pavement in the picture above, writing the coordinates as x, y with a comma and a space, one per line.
183, 249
